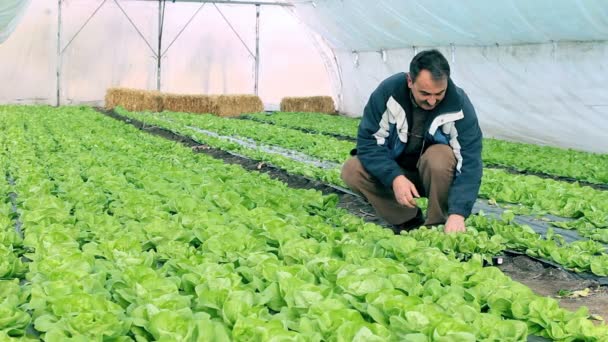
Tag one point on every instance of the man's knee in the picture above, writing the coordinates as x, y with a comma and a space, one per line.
438, 158
352, 173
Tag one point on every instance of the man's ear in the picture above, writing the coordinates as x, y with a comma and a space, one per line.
409, 81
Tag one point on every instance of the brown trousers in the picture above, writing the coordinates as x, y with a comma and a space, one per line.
432, 180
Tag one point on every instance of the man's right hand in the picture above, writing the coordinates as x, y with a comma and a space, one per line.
405, 191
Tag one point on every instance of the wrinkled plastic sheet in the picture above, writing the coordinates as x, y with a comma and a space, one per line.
540, 226
11, 12
250, 143
360, 25
287, 153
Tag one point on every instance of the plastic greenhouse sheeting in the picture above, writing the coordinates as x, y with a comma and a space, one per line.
552, 94
536, 71
11, 12
206, 58
361, 25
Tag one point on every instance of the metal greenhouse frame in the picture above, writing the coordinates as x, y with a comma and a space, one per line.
158, 53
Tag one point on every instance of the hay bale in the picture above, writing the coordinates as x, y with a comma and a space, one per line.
311, 104
153, 101
113, 98
201, 104
134, 99
235, 105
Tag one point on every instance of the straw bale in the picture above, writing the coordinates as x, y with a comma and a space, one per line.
200, 104
112, 97
235, 105
144, 100
134, 99
312, 104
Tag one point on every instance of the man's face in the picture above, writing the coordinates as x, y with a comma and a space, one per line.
426, 91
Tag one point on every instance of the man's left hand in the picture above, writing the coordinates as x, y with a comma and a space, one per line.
455, 224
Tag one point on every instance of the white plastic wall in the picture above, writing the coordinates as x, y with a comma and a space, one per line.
11, 12
536, 71
364, 25
27, 57
107, 52
207, 58
544, 93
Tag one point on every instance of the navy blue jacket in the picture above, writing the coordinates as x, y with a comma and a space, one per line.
383, 135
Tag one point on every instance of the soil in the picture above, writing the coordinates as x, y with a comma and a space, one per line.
557, 283
543, 278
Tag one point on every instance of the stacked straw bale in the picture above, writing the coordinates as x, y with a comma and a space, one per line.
153, 101
200, 104
235, 105
134, 99
312, 104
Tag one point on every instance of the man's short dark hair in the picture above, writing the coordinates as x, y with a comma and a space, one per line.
431, 60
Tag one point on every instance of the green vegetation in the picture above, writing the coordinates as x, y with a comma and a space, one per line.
313, 122
578, 165
132, 237
589, 206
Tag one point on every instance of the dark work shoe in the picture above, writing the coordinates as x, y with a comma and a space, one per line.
409, 225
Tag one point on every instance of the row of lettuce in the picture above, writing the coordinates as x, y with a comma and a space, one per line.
585, 255
578, 165
534, 195
130, 237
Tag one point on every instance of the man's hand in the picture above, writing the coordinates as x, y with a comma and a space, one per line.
455, 224
405, 191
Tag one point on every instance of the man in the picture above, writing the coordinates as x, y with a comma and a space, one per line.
419, 136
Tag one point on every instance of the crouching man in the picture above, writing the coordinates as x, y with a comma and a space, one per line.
419, 136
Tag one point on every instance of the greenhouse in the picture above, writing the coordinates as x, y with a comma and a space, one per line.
303, 170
